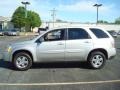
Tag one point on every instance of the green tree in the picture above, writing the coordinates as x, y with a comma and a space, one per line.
33, 19
18, 17
101, 21
117, 21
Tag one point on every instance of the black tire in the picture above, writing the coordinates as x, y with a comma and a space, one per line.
99, 63
27, 58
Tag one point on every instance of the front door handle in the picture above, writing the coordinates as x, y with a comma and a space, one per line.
60, 44
86, 42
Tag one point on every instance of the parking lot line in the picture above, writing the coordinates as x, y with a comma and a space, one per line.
58, 84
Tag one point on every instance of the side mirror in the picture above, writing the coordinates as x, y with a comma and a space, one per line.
40, 40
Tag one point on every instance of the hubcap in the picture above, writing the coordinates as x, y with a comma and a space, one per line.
97, 61
22, 62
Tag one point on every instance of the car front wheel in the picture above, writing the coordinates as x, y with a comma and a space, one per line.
97, 60
22, 61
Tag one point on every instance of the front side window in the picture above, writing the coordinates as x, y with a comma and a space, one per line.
55, 35
99, 33
77, 33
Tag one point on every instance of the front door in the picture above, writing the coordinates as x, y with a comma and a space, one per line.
52, 47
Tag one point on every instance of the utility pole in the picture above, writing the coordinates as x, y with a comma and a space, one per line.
97, 5
53, 15
25, 3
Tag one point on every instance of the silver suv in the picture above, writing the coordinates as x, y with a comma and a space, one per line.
92, 44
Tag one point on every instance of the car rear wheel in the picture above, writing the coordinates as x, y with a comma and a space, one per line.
22, 61
97, 60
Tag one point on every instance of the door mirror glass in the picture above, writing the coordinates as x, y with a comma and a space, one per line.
40, 40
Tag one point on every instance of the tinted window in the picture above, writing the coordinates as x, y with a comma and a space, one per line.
54, 35
77, 33
99, 33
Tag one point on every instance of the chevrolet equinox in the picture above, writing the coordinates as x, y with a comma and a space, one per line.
91, 44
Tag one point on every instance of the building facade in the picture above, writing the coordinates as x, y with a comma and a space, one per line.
5, 23
51, 25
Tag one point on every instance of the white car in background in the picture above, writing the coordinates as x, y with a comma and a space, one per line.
1, 32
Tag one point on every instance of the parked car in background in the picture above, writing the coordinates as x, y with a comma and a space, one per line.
64, 44
12, 32
41, 30
5, 32
118, 33
113, 33
1, 33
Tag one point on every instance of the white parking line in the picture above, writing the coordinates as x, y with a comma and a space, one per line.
58, 84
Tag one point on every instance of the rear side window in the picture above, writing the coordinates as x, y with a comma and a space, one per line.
99, 33
77, 33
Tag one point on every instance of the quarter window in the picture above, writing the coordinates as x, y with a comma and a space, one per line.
99, 33
77, 33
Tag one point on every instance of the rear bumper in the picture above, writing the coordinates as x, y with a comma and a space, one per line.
112, 53
112, 57
1, 34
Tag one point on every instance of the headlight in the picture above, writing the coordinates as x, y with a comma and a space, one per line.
9, 49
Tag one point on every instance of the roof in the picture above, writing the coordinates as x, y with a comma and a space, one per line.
77, 26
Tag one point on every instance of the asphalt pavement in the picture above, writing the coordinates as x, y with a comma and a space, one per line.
59, 76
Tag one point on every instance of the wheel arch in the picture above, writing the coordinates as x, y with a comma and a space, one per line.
100, 50
25, 51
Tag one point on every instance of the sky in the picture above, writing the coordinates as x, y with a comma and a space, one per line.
66, 10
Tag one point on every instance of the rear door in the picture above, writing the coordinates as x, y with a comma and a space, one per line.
78, 44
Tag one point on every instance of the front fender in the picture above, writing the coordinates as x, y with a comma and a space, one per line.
31, 49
